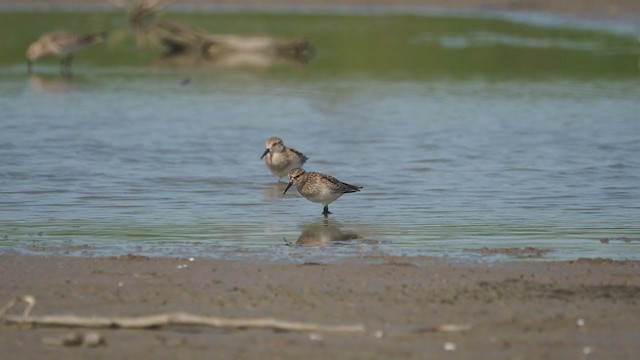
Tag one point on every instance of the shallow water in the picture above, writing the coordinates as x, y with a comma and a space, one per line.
465, 133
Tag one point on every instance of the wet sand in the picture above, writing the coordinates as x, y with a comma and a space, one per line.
515, 310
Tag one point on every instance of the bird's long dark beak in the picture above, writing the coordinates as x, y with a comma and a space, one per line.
264, 153
29, 67
287, 188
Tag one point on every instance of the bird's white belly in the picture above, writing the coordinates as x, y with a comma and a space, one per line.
280, 164
324, 197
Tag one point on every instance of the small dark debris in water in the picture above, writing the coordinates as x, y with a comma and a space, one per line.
61, 248
368, 241
527, 252
312, 263
598, 261
132, 257
77, 247
400, 263
626, 239
186, 81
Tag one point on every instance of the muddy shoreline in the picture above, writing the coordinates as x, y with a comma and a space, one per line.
524, 310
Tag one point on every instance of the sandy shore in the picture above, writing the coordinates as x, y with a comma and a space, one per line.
587, 309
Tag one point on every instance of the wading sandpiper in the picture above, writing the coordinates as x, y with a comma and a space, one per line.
62, 44
281, 159
319, 188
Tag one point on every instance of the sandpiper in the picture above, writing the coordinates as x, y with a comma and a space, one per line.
281, 159
319, 188
62, 44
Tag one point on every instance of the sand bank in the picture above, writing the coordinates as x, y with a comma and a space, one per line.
515, 310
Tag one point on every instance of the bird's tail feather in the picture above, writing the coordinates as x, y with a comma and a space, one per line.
353, 188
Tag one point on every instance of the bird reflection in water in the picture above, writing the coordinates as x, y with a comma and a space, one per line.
54, 84
324, 232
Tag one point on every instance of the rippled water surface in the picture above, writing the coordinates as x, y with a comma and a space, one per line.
465, 133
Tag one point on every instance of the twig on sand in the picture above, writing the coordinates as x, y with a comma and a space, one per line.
160, 320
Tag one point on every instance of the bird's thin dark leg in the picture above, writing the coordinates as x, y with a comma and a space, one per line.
65, 65
326, 211
62, 66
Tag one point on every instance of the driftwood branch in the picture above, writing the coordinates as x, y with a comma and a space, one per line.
160, 320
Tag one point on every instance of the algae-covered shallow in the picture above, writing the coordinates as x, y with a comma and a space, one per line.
466, 133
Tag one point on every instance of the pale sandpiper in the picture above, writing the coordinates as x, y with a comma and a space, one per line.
62, 44
281, 159
319, 188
